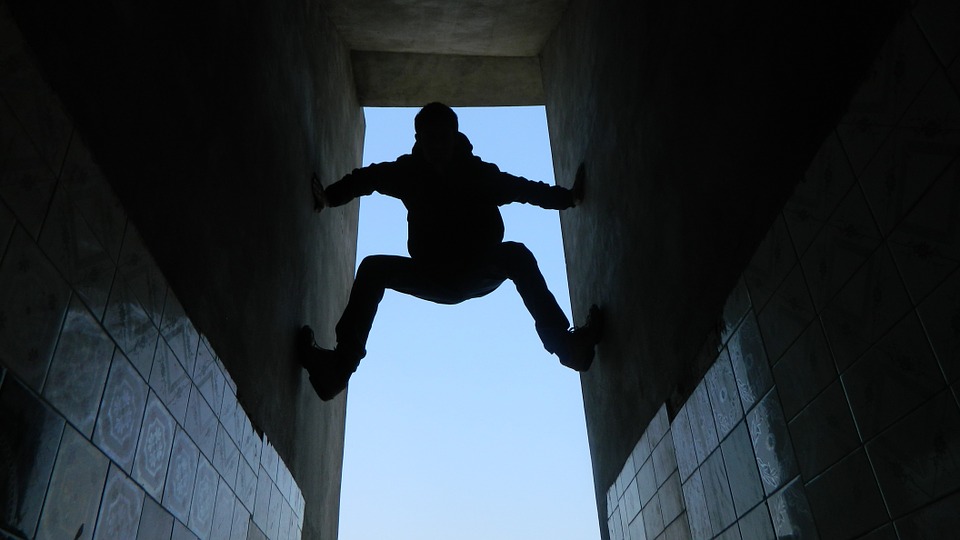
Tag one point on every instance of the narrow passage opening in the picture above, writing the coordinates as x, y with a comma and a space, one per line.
459, 423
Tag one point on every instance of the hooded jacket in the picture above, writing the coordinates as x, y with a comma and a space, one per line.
451, 217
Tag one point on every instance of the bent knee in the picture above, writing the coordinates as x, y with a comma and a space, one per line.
515, 253
375, 266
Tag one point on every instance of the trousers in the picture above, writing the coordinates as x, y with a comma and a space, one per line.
450, 282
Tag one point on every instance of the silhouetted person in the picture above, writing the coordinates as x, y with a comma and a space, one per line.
455, 240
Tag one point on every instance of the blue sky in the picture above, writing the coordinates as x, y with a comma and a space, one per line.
459, 425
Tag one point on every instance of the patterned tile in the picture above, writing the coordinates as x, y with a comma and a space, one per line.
724, 396
696, 504
75, 488
223, 512
717, 492
926, 244
756, 524
154, 446
33, 300
130, 326
771, 443
26, 180
74, 249
845, 500
91, 196
204, 499
845, 242
940, 314
142, 275
170, 382
824, 432
683, 444
79, 369
804, 370
742, 473
121, 507
226, 457
865, 309
180, 334
178, 490
200, 423
825, 183
749, 361
207, 375
29, 437
917, 460
790, 512
155, 522
894, 377
735, 308
246, 485
702, 426
121, 413
771, 263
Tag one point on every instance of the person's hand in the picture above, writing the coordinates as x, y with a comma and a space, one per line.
578, 188
319, 195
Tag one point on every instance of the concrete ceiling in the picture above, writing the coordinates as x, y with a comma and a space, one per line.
464, 53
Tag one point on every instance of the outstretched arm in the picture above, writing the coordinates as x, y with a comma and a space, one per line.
520, 189
358, 183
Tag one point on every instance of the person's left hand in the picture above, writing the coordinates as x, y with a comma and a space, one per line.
319, 195
579, 188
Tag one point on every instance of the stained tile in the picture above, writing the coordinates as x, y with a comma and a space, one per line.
249, 442
142, 274
783, 319
756, 524
717, 492
254, 532
178, 489
208, 377
246, 485
749, 361
790, 512
671, 498
91, 195
926, 244
29, 436
804, 370
74, 249
129, 325
731, 533
270, 460
702, 426
940, 314
652, 518
735, 308
635, 529
771, 263
223, 512
241, 520
659, 425
79, 369
121, 507
939, 520
824, 432
741, 466
261, 504
155, 522
274, 514
696, 504
825, 183
724, 396
170, 381
664, 460
626, 473
154, 447
771, 443
121, 413
646, 482
865, 309
895, 376
33, 300
679, 529
683, 444
917, 460
204, 499
631, 500
226, 457
615, 527
641, 452
200, 423
846, 500
181, 335
845, 242
26, 181
75, 488
181, 532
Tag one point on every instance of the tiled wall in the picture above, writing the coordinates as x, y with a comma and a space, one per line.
117, 419
831, 409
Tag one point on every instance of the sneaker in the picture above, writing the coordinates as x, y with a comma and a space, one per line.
578, 354
329, 370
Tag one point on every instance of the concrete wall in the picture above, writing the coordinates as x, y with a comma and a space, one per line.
830, 407
207, 121
694, 121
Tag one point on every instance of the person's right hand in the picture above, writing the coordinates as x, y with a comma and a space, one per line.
319, 195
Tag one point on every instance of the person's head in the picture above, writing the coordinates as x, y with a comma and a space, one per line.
436, 133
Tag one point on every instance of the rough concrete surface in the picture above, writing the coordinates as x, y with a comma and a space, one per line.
694, 122
208, 120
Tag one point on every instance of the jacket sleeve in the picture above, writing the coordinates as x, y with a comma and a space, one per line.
363, 181
518, 189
